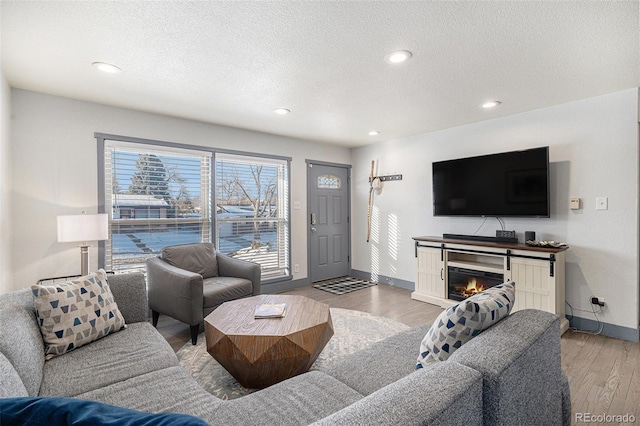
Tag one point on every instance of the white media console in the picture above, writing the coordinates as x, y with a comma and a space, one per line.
538, 272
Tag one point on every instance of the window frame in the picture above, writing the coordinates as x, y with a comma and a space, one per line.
284, 209
101, 139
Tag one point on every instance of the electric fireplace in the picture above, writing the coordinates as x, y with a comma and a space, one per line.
464, 283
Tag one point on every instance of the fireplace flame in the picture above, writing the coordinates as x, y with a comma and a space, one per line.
470, 289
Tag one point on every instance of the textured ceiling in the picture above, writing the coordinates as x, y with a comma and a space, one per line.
232, 63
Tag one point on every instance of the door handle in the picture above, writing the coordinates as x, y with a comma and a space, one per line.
313, 229
313, 218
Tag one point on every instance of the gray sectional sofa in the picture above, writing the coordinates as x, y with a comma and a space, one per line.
508, 375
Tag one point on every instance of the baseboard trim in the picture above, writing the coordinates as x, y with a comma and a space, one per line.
609, 330
281, 286
277, 287
382, 279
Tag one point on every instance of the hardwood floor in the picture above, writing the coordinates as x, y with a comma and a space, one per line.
604, 373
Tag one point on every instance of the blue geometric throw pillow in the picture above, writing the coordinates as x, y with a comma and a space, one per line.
75, 313
457, 324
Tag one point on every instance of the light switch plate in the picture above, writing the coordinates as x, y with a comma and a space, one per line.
602, 203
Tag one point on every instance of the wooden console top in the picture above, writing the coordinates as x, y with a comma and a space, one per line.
512, 246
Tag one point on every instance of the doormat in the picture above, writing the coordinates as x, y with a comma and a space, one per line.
344, 285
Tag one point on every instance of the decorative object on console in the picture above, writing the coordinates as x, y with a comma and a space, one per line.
506, 234
75, 313
83, 228
552, 244
459, 323
529, 236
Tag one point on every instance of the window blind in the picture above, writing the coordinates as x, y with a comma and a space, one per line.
155, 197
252, 210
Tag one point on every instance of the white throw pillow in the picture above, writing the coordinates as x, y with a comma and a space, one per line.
457, 324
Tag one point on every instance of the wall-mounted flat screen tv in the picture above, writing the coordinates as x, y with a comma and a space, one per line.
507, 184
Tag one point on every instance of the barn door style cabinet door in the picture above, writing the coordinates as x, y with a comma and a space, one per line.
447, 271
430, 285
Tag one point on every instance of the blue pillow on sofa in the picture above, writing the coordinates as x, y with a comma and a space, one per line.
48, 411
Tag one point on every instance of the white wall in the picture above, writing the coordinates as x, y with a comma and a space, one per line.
55, 161
593, 153
6, 222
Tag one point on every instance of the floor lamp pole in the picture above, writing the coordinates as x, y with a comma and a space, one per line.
84, 260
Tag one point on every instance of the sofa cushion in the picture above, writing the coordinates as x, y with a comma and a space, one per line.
166, 390
11, 384
71, 411
199, 258
130, 291
20, 338
445, 394
299, 400
457, 324
218, 290
392, 359
75, 313
136, 350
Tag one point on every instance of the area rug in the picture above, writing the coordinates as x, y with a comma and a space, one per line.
344, 285
353, 330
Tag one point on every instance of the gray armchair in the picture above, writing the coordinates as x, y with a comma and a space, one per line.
189, 281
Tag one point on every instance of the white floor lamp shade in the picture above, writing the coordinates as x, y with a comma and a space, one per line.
83, 228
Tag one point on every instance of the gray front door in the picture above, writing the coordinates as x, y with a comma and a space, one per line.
328, 221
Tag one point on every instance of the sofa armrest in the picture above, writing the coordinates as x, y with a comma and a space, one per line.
175, 292
130, 293
520, 361
231, 267
445, 394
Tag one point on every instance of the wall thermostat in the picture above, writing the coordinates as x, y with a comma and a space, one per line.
575, 204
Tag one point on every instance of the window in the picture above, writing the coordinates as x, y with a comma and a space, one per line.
252, 210
155, 197
329, 182
159, 194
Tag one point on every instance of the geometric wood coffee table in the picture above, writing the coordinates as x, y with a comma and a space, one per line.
261, 352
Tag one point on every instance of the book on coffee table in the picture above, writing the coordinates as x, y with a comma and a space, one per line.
271, 310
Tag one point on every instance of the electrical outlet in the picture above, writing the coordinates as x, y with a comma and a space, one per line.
296, 268
597, 301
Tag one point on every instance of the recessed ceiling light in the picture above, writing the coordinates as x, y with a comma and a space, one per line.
491, 104
398, 56
374, 133
281, 111
105, 67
